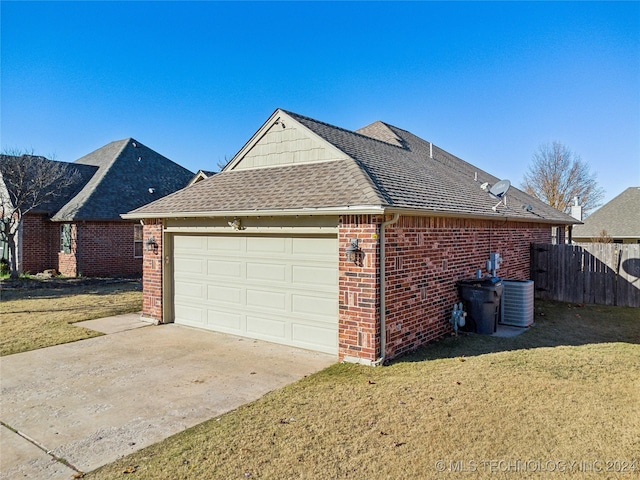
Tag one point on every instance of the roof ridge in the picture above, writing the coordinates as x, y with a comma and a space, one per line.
379, 130
373, 184
343, 129
86, 192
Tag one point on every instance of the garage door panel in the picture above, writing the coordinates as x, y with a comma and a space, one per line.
271, 328
314, 337
190, 290
281, 288
225, 321
270, 300
218, 293
190, 265
224, 268
265, 271
312, 247
266, 245
307, 304
192, 315
314, 275
224, 244
189, 243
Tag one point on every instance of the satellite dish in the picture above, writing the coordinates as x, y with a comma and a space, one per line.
500, 189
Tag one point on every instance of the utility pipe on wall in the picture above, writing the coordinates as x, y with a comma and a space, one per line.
383, 283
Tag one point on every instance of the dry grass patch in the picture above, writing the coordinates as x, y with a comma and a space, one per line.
561, 392
41, 317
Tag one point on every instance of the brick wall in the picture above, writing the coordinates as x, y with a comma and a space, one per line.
105, 249
99, 249
152, 272
359, 294
424, 258
39, 244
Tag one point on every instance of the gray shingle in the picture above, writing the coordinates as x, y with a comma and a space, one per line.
388, 167
620, 217
322, 185
81, 174
411, 179
128, 175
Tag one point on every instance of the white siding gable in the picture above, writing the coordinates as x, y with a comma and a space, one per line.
283, 141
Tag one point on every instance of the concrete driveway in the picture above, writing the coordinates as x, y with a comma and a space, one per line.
74, 407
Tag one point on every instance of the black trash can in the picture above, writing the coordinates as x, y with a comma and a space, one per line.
481, 297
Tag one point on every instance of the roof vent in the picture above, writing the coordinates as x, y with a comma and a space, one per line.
152, 190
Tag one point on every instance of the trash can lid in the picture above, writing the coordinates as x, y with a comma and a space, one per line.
480, 282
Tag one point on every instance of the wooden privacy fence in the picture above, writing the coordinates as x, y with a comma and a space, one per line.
601, 273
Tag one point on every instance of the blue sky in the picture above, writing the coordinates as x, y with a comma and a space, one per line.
488, 82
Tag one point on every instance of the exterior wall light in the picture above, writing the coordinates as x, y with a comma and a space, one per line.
353, 252
151, 244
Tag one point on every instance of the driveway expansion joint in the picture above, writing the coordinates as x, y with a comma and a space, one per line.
41, 447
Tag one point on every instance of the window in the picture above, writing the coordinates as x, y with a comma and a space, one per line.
617, 240
65, 238
137, 241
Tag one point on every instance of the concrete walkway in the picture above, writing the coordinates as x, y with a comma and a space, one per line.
74, 407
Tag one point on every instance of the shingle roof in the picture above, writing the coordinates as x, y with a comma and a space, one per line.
128, 175
620, 217
285, 187
386, 168
80, 175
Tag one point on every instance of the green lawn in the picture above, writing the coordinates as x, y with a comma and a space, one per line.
567, 390
43, 315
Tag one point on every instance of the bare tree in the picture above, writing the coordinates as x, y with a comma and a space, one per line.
603, 237
556, 175
27, 182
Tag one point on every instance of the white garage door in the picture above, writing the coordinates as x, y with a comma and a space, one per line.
282, 289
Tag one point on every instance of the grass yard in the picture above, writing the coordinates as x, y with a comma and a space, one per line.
567, 390
41, 317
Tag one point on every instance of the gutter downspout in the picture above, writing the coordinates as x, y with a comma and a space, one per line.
383, 306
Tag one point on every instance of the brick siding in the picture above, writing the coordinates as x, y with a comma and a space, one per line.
39, 244
105, 249
152, 272
359, 292
98, 249
425, 257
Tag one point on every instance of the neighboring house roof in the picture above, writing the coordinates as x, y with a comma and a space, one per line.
78, 174
127, 175
620, 218
377, 169
201, 175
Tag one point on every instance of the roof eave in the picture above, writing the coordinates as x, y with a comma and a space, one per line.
472, 216
350, 210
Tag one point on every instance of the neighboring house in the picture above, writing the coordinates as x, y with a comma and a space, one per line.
332, 240
81, 232
619, 219
201, 175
